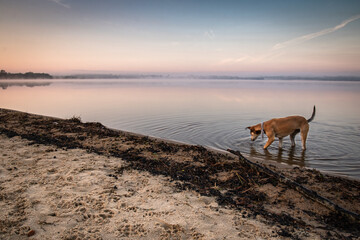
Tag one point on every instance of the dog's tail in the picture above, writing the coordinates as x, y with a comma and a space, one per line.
312, 115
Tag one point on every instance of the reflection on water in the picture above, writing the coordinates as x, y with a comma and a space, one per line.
213, 113
282, 156
5, 84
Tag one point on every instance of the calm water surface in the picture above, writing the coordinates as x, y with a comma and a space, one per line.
213, 113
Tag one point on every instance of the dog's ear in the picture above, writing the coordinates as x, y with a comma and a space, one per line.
247, 128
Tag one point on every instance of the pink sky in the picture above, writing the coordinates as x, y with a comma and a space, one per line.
66, 37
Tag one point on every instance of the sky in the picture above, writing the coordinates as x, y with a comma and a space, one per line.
250, 37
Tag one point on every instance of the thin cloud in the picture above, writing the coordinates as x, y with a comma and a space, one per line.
252, 59
174, 43
59, 2
279, 49
210, 34
310, 36
236, 60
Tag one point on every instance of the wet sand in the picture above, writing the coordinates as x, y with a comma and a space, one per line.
64, 179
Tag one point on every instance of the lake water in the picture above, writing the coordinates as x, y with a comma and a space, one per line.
209, 112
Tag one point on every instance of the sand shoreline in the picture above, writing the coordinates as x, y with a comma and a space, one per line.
64, 179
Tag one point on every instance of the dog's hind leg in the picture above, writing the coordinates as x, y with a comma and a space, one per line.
304, 132
292, 137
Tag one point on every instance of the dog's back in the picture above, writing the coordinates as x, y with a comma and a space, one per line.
285, 126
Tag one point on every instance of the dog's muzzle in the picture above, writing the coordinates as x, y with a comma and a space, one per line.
253, 138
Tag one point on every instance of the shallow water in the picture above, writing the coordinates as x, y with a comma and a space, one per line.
214, 113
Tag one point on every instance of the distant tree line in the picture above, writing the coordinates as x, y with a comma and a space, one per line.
28, 75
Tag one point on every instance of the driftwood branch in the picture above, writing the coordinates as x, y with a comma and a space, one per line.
298, 187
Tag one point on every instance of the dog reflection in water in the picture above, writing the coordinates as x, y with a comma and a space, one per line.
288, 156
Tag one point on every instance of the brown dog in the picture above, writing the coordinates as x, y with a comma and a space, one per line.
282, 127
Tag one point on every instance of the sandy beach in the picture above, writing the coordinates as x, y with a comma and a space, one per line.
65, 179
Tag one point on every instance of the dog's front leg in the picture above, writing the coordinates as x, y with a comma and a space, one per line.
269, 141
280, 142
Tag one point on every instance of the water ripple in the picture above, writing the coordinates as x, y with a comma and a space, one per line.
324, 146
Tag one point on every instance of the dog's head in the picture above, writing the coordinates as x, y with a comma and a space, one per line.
255, 131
